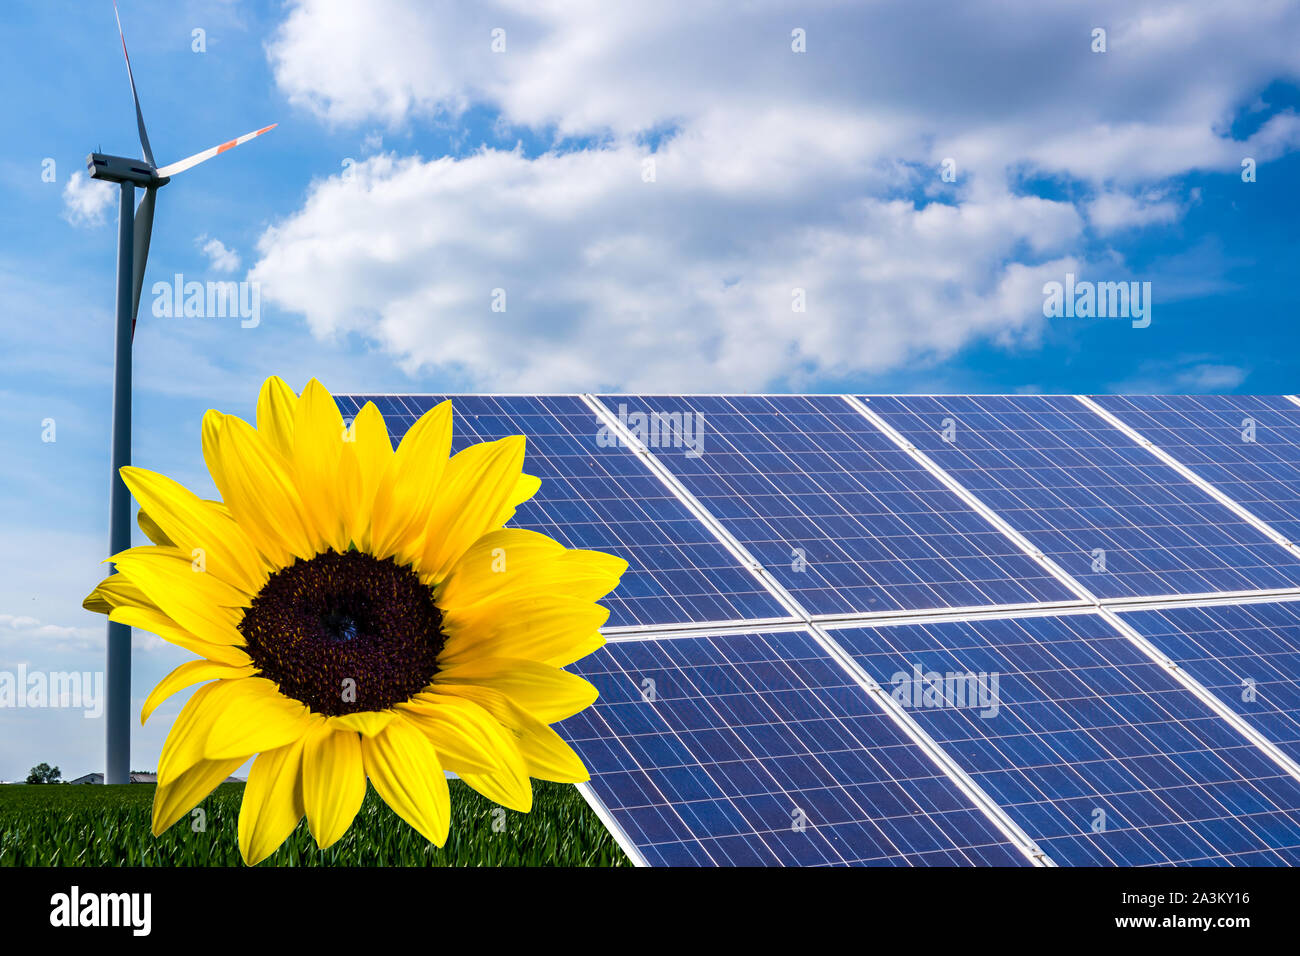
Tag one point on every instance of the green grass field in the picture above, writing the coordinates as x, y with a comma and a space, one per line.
64, 825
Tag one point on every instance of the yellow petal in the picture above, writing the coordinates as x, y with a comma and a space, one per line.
545, 753
548, 629
257, 487
548, 693
366, 722
404, 768
468, 739
151, 529
509, 788
496, 563
194, 524
333, 782
508, 784
116, 590
514, 563
255, 717
406, 493
371, 450
156, 622
275, 415
197, 601
187, 675
273, 802
213, 421
172, 800
525, 489
548, 757
318, 444
478, 482
191, 574
183, 747
577, 650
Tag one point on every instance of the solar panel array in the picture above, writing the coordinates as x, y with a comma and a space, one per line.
1246, 445
1248, 654
602, 498
1117, 519
1094, 749
909, 630
846, 520
760, 749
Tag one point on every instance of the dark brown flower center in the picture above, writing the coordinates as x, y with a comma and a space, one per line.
345, 633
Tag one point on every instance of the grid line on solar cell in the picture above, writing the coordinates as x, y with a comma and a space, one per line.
1116, 519
603, 499
1085, 722
1247, 654
1247, 446
842, 518
743, 731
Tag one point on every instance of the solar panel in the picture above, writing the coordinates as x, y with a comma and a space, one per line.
842, 517
1107, 511
758, 749
1091, 747
1248, 654
748, 745
1248, 446
602, 498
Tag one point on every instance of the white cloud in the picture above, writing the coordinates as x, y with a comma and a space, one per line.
1208, 377
775, 171
1112, 212
1018, 80
677, 283
86, 200
29, 635
1183, 374
221, 258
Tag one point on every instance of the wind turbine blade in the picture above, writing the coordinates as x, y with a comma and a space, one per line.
192, 161
139, 116
140, 255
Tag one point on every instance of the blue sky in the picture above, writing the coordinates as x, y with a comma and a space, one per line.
415, 171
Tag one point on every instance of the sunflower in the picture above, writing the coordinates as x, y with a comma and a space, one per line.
358, 613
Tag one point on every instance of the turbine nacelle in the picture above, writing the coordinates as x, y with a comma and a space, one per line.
146, 173
123, 169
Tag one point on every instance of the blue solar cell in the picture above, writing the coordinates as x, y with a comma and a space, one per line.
842, 517
605, 499
1248, 654
1246, 445
1092, 748
1105, 509
707, 751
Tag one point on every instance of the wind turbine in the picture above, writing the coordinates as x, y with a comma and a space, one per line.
133, 232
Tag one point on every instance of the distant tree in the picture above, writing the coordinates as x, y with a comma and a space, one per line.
44, 773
